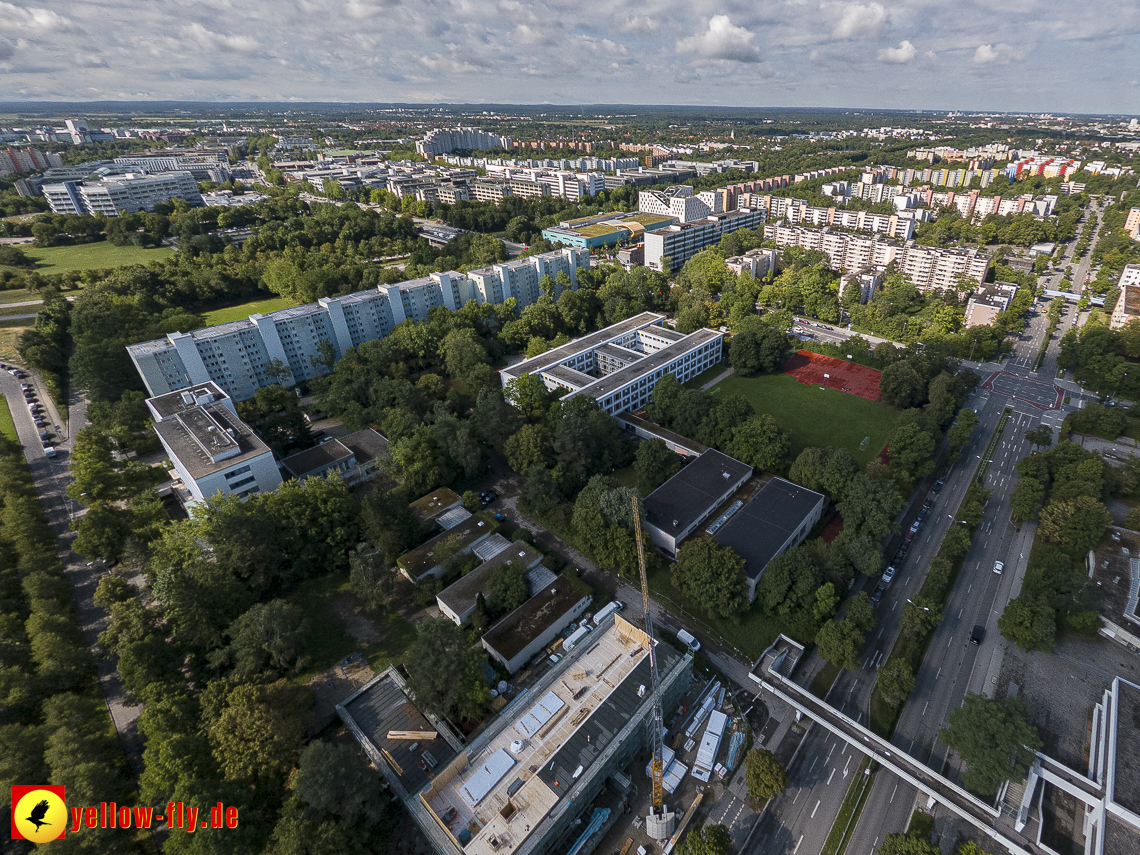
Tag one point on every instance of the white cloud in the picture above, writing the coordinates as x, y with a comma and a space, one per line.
860, 19
31, 19
209, 40
1000, 52
722, 40
905, 52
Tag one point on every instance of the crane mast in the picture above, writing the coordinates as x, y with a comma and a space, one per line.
659, 823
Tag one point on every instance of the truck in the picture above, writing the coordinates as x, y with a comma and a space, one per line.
606, 611
575, 637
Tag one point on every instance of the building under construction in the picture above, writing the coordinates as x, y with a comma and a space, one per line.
528, 783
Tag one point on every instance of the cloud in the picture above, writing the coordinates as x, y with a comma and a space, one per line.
905, 52
857, 18
31, 19
209, 40
1000, 52
722, 40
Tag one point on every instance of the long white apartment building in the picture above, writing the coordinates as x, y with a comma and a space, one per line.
443, 140
212, 450
246, 355
678, 202
860, 221
927, 266
121, 194
681, 241
618, 366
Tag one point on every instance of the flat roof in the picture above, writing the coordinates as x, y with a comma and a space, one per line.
762, 526
568, 721
694, 491
1126, 784
623, 377
382, 707
179, 434
314, 459
586, 342
172, 402
526, 623
461, 596
566, 374
434, 503
422, 559
366, 445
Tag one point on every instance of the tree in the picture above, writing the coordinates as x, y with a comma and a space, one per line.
1029, 622
758, 350
706, 840
372, 579
539, 492
760, 443
912, 451
256, 731
919, 617
445, 672
269, 637
334, 781
530, 446
1026, 499
654, 464
907, 844
764, 774
827, 469
1040, 436
839, 643
901, 386
712, 576
896, 681
507, 588
960, 432
994, 738
1076, 524
529, 393
826, 602
389, 523
494, 418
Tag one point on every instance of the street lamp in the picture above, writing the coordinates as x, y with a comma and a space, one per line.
916, 605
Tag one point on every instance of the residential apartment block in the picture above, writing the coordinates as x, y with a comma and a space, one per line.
619, 365
443, 140
26, 160
121, 194
927, 266
987, 303
681, 241
756, 261
1127, 306
676, 202
1132, 223
243, 356
212, 450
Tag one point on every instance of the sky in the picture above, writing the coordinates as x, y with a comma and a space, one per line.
1012, 55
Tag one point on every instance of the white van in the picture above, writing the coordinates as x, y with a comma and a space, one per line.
688, 640
577, 636
49, 451
605, 612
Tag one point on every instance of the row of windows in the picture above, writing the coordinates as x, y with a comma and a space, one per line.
242, 482
241, 470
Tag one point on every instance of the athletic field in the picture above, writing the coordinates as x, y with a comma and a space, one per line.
816, 417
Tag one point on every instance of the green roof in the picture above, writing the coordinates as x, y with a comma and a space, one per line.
596, 230
648, 219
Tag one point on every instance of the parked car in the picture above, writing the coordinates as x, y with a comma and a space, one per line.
904, 547
999, 566
888, 575
915, 526
977, 635
929, 503
488, 496
937, 488
49, 451
921, 515
880, 589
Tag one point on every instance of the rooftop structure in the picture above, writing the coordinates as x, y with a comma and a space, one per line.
523, 633
428, 559
522, 786
435, 503
457, 601
619, 365
776, 519
988, 302
353, 457
212, 450
615, 228
677, 507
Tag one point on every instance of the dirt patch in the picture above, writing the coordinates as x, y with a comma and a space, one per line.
832, 529
356, 623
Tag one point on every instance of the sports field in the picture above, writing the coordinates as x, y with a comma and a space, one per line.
815, 417
236, 313
92, 256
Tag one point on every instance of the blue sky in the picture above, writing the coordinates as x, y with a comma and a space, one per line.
1034, 55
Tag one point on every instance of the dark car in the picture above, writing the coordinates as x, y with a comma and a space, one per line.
880, 589
937, 488
929, 503
904, 547
977, 635
921, 515
488, 497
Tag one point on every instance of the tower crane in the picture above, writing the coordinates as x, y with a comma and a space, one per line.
659, 823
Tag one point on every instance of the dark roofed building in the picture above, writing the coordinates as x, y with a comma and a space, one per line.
457, 601
682, 503
317, 462
525, 631
778, 518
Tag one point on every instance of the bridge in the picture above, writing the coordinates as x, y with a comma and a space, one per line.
987, 818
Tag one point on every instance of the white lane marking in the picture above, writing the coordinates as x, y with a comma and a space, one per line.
814, 809
832, 775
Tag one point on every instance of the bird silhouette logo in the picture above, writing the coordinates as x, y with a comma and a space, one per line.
39, 813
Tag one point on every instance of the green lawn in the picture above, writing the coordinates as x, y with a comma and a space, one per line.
92, 256
7, 426
244, 310
814, 417
707, 375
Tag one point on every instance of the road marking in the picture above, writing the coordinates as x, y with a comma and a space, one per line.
895, 790
949, 640
939, 674
813, 762
880, 635
797, 847
814, 809
925, 707
832, 748
832, 775
796, 796
845, 767
960, 613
